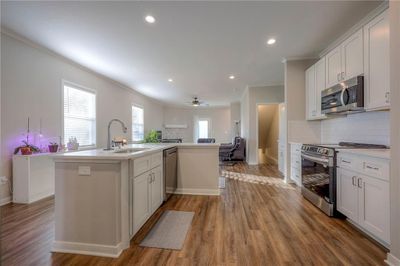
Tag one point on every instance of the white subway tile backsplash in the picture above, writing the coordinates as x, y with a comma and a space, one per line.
368, 127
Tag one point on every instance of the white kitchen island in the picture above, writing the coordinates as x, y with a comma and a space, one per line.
102, 198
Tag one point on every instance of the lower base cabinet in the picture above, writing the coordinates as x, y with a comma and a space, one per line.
365, 201
145, 196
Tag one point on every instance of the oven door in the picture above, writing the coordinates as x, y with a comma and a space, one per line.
318, 176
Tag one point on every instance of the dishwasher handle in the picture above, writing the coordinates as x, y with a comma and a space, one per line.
170, 152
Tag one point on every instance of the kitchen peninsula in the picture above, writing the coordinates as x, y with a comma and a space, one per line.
102, 198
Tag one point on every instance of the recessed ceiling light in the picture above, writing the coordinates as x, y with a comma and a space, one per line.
150, 19
271, 41
231, 77
170, 80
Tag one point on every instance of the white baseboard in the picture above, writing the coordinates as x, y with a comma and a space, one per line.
197, 191
88, 249
5, 200
391, 260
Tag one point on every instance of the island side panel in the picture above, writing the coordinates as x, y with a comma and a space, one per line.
198, 170
87, 208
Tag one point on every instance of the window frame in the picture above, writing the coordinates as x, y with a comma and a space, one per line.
141, 107
83, 88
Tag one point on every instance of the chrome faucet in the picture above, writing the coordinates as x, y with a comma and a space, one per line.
124, 129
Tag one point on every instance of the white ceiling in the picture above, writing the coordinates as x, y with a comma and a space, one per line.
198, 44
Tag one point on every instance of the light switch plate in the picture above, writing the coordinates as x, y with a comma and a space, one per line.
84, 170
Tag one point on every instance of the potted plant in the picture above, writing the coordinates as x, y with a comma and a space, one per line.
53, 147
26, 149
151, 137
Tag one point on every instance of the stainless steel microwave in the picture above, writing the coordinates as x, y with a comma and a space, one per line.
347, 96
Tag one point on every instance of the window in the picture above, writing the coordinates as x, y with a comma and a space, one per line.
137, 123
79, 115
203, 129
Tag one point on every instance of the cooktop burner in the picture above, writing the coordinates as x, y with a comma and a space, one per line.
351, 145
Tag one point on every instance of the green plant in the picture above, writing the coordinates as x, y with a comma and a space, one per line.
151, 137
26, 145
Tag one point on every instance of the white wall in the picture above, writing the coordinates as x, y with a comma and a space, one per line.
394, 11
220, 122
31, 86
368, 127
235, 116
250, 99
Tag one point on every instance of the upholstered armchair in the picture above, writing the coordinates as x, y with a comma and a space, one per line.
233, 151
206, 140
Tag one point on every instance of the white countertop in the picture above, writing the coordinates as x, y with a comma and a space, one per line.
377, 153
113, 155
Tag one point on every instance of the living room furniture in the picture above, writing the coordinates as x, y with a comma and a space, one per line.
233, 151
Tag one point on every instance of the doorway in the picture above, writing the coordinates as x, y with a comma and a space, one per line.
268, 133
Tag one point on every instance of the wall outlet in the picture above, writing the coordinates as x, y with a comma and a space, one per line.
3, 180
83, 170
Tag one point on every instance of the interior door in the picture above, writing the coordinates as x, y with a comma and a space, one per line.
353, 55
347, 193
141, 200
156, 188
374, 207
333, 61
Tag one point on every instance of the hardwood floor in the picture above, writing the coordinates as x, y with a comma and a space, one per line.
249, 224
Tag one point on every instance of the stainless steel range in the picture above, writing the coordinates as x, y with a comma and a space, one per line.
318, 172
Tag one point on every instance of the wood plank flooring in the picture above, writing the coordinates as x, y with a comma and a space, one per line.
249, 224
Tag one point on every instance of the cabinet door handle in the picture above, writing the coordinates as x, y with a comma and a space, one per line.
342, 75
372, 168
353, 180
387, 96
154, 176
151, 178
359, 182
344, 161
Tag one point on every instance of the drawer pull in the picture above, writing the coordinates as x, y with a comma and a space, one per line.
372, 168
353, 180
344, 161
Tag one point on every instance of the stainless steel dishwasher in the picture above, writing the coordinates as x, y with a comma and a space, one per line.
170, 172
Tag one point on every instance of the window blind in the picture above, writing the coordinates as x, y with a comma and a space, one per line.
137, 123
79, 115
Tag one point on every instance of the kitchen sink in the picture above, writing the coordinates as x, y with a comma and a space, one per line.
130, 150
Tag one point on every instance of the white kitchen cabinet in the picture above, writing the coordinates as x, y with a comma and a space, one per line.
347, 193
141, 200
346, 60
374, 206
315, 84
352, 56
33, 177
295, 163
377, 63
333, 61
310, 93
146, 190
363, 193
156, 188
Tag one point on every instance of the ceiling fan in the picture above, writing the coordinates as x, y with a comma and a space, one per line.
196, 102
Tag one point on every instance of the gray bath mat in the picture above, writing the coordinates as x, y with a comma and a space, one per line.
170, 230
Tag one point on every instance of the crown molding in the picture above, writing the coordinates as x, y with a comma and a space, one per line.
298, 58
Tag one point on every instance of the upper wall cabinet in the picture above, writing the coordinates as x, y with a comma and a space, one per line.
315, 83
346, 60
376, 69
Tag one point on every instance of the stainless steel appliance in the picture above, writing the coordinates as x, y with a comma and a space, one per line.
318, 172
347, 96
170, 172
